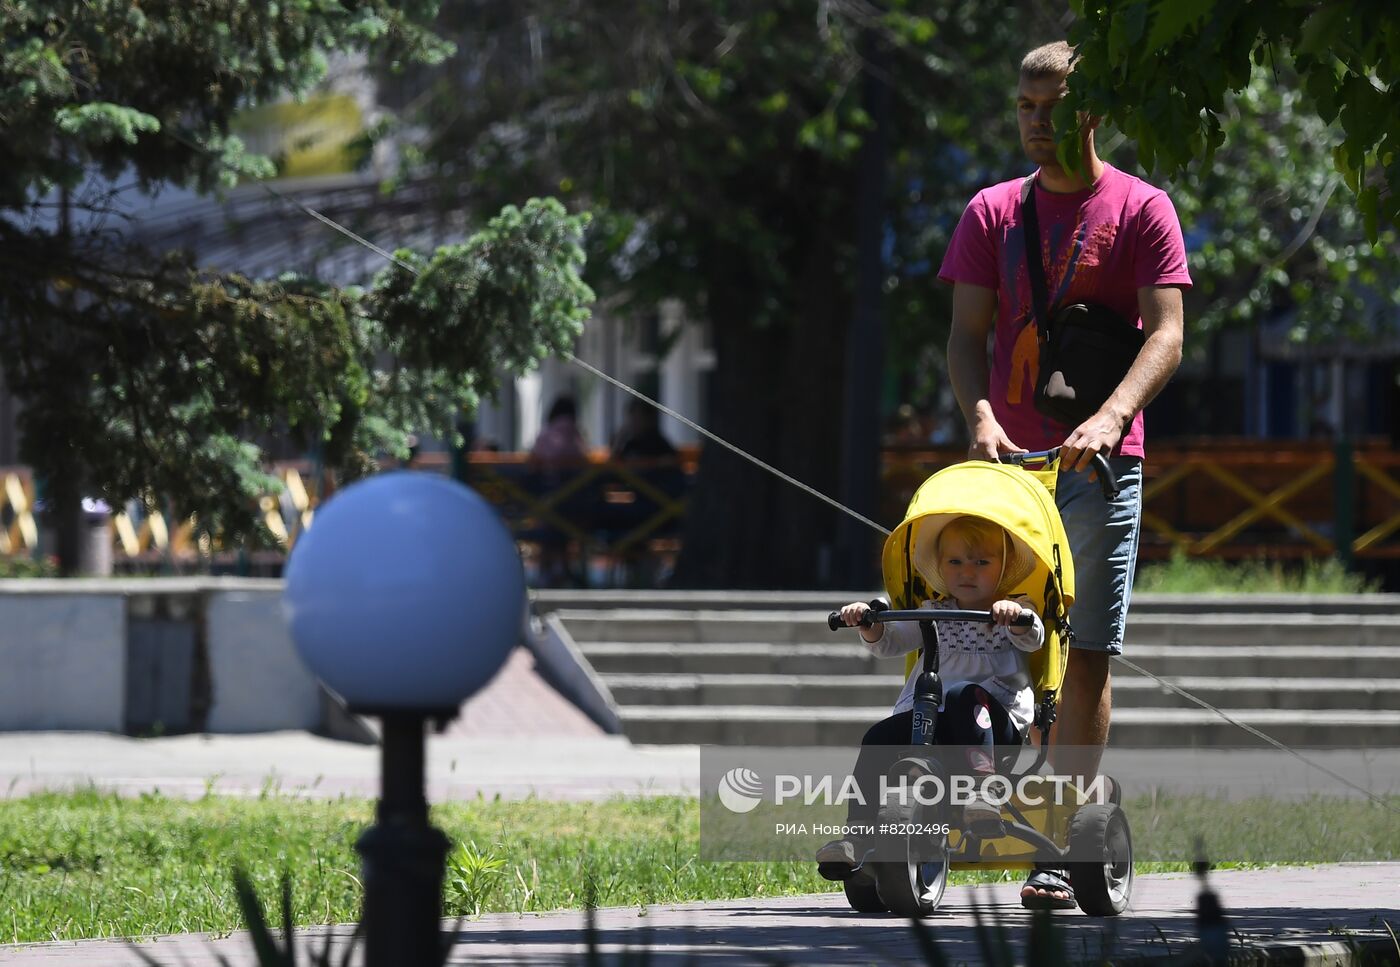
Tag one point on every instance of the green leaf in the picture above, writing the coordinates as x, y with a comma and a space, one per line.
264, 944
1321, 85
1364, 112
1367, 201
775, 103
1147, 152
101, 122
1135, 17
1320, 30
1215, 137
1118, 41
1341, 159
1171, 18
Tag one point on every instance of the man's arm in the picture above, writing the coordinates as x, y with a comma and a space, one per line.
974, 316
1162, 323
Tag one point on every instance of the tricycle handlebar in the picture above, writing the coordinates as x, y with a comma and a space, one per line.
833, 620
1108, 480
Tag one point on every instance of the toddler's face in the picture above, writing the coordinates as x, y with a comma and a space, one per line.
970, 571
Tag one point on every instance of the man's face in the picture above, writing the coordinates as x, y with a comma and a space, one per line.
1035, 103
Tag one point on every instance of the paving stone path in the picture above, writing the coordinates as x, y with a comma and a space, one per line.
1301, 915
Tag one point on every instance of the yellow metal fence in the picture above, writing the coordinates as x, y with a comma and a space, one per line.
1237, 499
1241, 498
142, 531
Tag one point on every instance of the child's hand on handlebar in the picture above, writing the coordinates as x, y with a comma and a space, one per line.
851, 616
1004, 612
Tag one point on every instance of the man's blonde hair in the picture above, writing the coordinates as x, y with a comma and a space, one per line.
1049, 60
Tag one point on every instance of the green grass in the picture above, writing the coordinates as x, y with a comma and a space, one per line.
1188, 575
88, 864
18, 566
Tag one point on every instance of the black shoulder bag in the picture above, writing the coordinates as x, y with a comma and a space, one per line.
1085, 349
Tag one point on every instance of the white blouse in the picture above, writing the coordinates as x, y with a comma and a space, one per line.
988, 655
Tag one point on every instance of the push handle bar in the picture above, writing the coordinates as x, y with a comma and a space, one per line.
880, 610
1108, 480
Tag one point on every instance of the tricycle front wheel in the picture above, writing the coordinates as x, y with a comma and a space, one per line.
914, 888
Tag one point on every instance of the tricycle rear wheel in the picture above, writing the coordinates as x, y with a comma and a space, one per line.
862, 894
1102, 888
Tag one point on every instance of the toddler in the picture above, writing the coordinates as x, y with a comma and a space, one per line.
987, 697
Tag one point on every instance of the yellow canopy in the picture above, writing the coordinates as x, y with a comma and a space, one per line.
1023, 503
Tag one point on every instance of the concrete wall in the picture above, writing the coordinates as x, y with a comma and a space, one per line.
62, 661
259, 683
153, 655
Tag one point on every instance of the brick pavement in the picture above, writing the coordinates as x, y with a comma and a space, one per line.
519, 702
1299, 915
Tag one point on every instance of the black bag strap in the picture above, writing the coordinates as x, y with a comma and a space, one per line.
1035, 262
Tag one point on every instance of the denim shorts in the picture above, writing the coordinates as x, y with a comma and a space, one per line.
1103, 543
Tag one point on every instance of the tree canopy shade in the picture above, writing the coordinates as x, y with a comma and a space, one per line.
144, 373
1161, 70
718, 145
1271, 233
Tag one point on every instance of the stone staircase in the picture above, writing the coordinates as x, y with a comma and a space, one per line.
762, 669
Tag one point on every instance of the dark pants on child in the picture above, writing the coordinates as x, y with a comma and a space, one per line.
958, 724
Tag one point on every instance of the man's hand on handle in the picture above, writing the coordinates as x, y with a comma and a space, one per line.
1100, 433
989, 440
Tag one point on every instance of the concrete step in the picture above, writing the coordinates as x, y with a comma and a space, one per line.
747, 724
1133, 691
1129, 691
1266, 661
756, 658
1201, 661
546, 600
809, 627
779, 690
759, 725
1242, 629
1197, 727
761, 668
692, 626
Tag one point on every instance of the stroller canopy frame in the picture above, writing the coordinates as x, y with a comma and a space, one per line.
1022, 502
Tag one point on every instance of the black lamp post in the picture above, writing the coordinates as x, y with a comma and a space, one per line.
402, 855
405, 598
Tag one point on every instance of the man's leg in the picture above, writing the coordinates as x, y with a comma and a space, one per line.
1087, 702
1103, 540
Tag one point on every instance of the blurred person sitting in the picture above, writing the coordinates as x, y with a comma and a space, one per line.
557, 452
560, 442
640, 436
641, 442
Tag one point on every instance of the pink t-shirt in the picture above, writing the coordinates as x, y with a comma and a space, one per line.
1099, 245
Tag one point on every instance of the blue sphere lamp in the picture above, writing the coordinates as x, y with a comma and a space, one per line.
405, 597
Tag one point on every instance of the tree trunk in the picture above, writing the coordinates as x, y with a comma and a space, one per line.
856, 565
777, 395
63, 508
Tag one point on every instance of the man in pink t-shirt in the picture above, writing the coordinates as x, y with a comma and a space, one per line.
1106, 237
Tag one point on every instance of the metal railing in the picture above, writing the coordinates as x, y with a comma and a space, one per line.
1239, 499
143, 532
1223, 499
